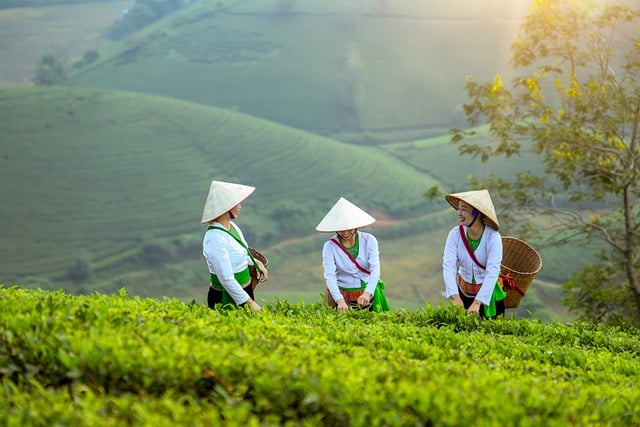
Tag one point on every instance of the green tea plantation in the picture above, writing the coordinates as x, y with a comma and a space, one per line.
113, 360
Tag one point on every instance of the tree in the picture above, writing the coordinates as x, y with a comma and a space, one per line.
50, 71
575, 104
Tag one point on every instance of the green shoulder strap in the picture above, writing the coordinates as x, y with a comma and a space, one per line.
213, 227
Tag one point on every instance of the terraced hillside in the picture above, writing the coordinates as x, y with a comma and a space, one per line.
91, 175
331, 67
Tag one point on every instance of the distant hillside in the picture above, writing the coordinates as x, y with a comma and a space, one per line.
331, 67
67, 31
95, 177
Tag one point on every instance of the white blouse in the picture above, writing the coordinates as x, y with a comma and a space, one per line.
456, 260
339, 270
224, 257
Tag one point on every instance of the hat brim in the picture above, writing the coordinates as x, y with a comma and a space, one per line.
344, 215
479, 200
222, 197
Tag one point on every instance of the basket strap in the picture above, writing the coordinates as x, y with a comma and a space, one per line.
509, 283
517, 288
466, 245
240, 242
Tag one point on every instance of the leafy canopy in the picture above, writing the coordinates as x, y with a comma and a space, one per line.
575, 103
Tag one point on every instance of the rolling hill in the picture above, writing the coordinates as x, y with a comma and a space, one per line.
331, 67
99, 176
103, 189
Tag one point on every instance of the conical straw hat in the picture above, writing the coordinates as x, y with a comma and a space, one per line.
344, 215
222, 197
480, 200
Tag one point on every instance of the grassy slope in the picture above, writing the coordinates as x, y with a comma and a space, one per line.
438, 156
101, 176
105, 173
328, 67
434, 155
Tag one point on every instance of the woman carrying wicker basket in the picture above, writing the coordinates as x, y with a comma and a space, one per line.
472, 255
351, 260
225, 249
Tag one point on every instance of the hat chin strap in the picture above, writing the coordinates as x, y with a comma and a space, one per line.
231, 215
474, 219
347, 238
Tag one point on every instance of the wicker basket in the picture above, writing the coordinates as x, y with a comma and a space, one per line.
253, 272
522, 263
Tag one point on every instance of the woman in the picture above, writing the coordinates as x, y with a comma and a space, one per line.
472, 255
351, 260
225, 248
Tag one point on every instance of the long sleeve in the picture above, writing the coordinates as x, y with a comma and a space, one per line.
457, 261
330, 270
450, 263
224, 257
340, 271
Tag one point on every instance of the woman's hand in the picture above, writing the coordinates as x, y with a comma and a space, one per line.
342, 305
364, 300
265, 273
474, 308
456, 300
254, 305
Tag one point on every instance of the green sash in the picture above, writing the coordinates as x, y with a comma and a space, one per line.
380, 302
379, 299
213, 227
498, 295
242, 277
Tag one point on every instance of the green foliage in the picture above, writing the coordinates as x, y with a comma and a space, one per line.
139, 16
88, 58
143, 13
598, 292
50, 71
575, 106
116, 360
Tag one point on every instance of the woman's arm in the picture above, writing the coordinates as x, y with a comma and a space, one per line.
330, 270
450, 263
218, 257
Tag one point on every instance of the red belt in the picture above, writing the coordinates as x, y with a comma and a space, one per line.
351, 295
468, 288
